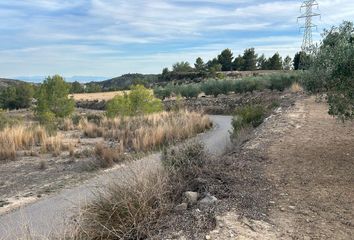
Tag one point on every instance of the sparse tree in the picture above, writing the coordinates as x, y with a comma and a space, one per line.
287, 63
77, 87
262, 63
182, 67
250, 60
200, 65
238, 63
275, 62
225, 59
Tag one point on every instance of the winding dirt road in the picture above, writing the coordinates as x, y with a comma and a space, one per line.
48, 216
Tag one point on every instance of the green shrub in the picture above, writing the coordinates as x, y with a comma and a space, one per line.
139, 101
162, 92
281, 82
251, 115
189, 91
184, 157
16, 97
76, 119
216, 87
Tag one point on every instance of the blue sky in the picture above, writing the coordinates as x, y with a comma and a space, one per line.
112, 37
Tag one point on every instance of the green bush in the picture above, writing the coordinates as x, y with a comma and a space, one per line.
332, 70
251, 115
189, 91
184, 157
215, 87
53, 101
162, 92
139, 101
16, 97
281, 82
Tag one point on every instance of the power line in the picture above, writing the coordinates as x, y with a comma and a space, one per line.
307, 10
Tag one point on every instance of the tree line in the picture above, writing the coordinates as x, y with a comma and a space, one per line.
225, 61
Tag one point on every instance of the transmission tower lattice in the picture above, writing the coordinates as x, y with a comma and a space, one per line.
307, 10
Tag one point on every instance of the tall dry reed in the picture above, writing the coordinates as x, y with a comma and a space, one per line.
13, 139
144, 133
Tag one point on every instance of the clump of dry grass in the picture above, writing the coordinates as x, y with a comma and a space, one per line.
128, 209
107, 156
91, 130
55, 146
296, 87
13, 139
67, 125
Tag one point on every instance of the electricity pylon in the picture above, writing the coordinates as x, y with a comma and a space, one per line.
307, 10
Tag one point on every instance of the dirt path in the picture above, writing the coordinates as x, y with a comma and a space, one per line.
48, 216
309, 162
313, 170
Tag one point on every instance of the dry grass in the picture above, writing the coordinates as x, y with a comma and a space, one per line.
96, 96
296, 87
13, 139
106, 156
135, 207
144, 133
128, 209
91, 130
54, 145
67, 125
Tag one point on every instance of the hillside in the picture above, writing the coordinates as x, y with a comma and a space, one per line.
126, 80
4, 82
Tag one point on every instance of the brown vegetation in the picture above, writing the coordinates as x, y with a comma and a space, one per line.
145, 133
128, 209
97, 96
13, 139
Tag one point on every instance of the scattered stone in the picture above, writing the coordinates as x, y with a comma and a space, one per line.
3, 203
292, 207
207, 237
282, 209
191, 197
208, 199
28, 194
181, 207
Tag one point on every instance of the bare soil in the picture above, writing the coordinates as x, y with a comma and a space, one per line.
34, 175
308, 171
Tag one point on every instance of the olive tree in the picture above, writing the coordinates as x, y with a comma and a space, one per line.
332, 70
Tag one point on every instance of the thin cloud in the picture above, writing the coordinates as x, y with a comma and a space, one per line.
112, 37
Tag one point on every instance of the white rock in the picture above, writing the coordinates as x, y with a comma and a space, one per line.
181, 207
208, 199
191, 197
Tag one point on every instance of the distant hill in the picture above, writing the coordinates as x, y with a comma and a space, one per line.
126, 80
4, 83
82, 79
